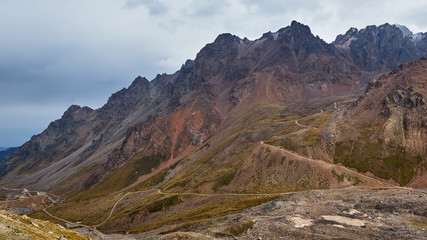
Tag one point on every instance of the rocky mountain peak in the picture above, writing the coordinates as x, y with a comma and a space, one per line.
344, 40
188, 66
405, 31
224, 46
381, 47
72, 109
416, 38
295, 33
72, 117
139, 81
296, 29
75, 113
129, 96
299, 28
226, 38
299, 37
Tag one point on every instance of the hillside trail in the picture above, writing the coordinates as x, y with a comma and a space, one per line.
304, 126
12, 189
322, 162
327, 165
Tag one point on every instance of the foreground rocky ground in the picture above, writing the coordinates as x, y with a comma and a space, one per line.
22, 227
318, 214
338, 214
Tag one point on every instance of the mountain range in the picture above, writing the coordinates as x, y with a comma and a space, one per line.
283, 113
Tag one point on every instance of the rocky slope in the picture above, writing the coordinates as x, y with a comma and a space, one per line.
245, 117
386, 131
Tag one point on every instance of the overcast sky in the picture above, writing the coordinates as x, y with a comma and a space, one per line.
54, 53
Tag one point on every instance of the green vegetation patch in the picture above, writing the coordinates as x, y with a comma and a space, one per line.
418, 221
368, 153
186, 226
152, 181
164, 204
312, 137
286, 143
224, 180
239, 228
124, 176
184, 178
317, 120
290, 128
397, 165
205, 212
143, 165
339, 177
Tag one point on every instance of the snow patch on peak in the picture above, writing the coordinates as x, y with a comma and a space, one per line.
276, 35
414, 38
347, 43
417, 37
353, 30
258, 41
405, 31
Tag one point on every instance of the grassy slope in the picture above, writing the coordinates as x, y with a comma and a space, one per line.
369, 152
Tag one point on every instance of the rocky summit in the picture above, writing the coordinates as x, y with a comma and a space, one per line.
286, 122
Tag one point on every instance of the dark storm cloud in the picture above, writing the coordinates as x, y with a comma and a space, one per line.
57, 53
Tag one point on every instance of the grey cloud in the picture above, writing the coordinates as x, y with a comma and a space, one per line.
207, 8
154, 7
281, 7
20, 122
15, 137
